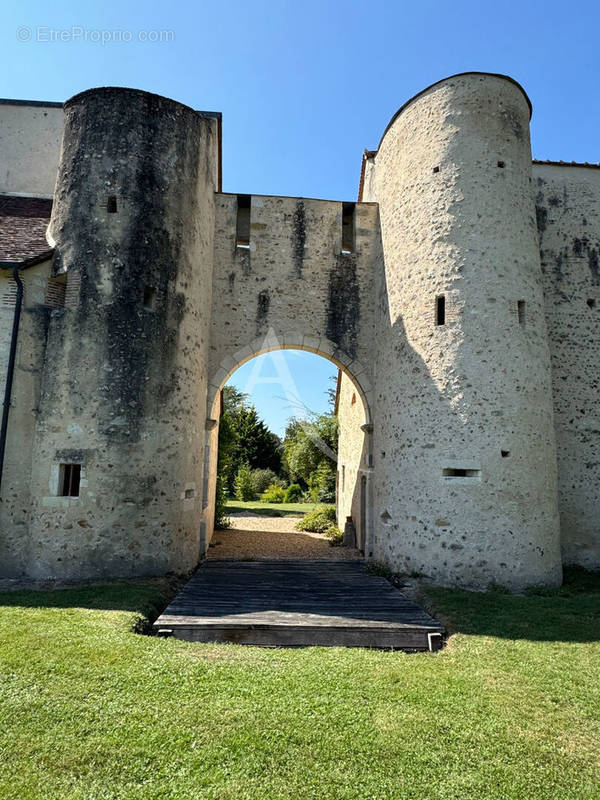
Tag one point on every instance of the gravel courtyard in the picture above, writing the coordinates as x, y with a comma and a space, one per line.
254, 536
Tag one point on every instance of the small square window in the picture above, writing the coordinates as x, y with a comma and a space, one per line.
70, 478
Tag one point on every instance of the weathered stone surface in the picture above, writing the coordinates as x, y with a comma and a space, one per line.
453, 396
449, 432
568, 210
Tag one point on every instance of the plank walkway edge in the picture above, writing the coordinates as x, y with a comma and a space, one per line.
297, 604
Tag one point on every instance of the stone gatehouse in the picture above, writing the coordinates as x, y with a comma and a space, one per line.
459, 296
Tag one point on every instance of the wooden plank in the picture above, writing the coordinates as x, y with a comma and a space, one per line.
295, 603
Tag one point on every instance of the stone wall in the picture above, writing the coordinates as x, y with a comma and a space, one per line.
30, 135
354, 462
291, 287
568, 213
15, 508
292, 279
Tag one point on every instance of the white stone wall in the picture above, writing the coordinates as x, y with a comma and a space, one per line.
286, 280
568, 210
292, 288
30, 137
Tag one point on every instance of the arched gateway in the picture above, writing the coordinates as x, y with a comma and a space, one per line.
427, 293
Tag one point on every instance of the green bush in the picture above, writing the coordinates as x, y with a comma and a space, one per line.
274, 494
317, 521
293, 494
321, 483
221, 518
244, 487
334, 534
262, 479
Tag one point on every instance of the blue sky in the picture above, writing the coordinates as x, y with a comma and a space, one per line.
304, 87
278, 394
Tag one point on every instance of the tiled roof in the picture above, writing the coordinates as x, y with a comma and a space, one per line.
23, 223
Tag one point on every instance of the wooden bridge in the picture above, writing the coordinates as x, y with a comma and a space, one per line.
297, 604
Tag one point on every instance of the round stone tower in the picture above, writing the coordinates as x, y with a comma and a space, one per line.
123, 395
465, 470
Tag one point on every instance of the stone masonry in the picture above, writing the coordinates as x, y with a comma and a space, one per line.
459, 298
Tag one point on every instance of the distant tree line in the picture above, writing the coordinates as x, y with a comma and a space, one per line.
254, 463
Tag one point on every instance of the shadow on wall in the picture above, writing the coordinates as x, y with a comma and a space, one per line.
457, 496
566, 614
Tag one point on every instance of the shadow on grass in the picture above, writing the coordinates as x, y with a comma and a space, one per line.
144, 597
569, 613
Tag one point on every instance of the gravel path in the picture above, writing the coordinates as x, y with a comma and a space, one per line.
255, 537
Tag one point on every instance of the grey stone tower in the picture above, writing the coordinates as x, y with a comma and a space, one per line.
124, 383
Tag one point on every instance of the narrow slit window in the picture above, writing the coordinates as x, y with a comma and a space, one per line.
242, 231
440, 309
460, 472
70, 475
521, 312
149, 298
111, 204
348, 227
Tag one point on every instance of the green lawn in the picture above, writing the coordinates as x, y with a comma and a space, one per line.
89, 710
270, 509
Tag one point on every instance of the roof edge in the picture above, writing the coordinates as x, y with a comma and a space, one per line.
28, 262
5, 101
550, 163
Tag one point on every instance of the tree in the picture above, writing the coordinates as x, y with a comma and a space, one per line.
310, 445
244, 485
331, 391
244, 438
262, 479
256, 443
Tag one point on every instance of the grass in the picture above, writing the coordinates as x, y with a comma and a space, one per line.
270, 509
91, 711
